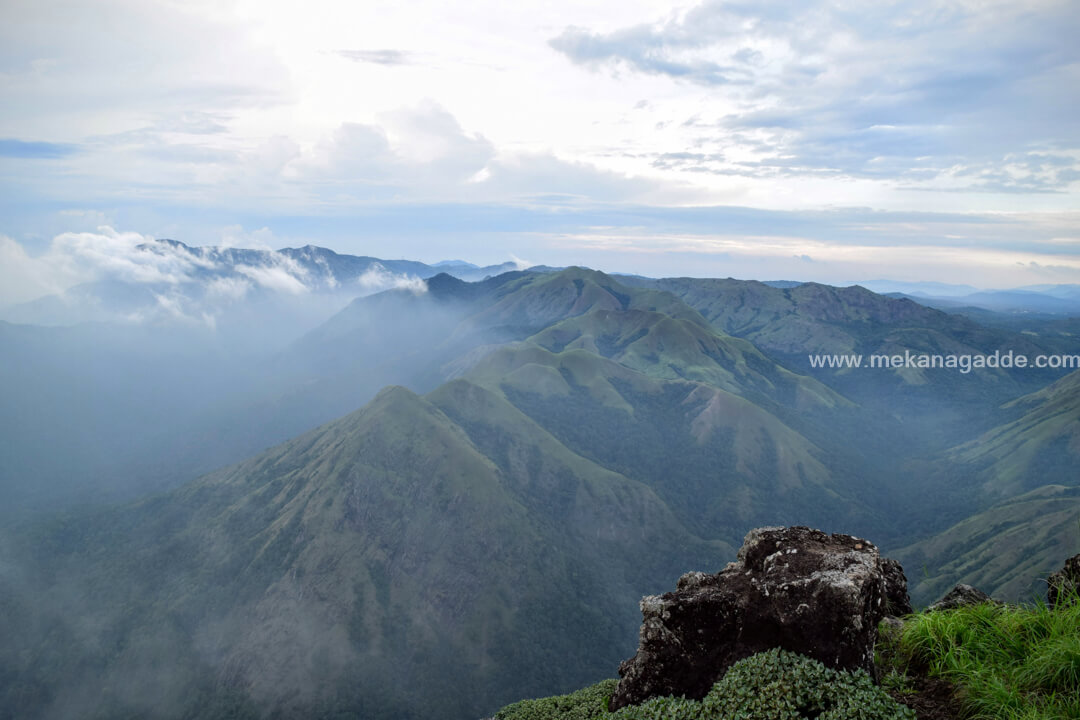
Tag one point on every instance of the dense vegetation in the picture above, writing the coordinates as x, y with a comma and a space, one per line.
773, 685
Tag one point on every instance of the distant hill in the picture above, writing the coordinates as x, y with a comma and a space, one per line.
1007, 550
501, 524
1042, 443
790, 323
1020, 480
298, 285
386, 561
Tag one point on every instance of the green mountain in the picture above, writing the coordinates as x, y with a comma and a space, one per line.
381, 563
673, 348
422, 340
719, 461
1040, 445
791, 323
1007, 550
1021, 485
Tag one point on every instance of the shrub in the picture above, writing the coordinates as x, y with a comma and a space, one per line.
781, 685
773, 685
584, 704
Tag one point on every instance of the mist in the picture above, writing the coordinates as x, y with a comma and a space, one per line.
171, 361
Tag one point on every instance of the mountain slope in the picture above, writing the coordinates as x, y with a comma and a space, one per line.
466, 539
423, 339
1042, 444
672, 348
1022, 487
581, 443
721, 462
418, 337
380, 563
1007, 550
791, 323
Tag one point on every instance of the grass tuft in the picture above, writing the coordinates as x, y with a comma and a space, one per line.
1016, 662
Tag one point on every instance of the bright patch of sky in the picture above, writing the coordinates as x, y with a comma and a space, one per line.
824, 141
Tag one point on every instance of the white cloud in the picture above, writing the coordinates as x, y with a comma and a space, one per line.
379, 278
277, 278
228, 289
24, 278
79, 257
124, 256
109, 255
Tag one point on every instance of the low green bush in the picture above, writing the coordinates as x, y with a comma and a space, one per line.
592, 702
773, 685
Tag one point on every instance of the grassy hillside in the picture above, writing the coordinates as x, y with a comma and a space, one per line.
1007, 550
1042, 444
722, 463
384, 562
790, 323
1021, 484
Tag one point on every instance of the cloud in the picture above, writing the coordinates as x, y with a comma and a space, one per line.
23, 277
228, 289
378, 278
126, 256
650, 50
110, 275
74, 258
234, 236
421, 153
545, 177
378, 57
169, 59
279, 278
891, 91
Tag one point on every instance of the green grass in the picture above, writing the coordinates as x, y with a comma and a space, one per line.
1007, 662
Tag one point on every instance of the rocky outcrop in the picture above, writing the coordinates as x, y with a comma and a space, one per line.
961, 596
1063, 585
795, 588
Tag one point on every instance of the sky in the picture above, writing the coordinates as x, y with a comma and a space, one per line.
827, 141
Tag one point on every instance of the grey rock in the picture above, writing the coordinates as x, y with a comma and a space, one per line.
897, 600
795, 588
961, 596
1063, 585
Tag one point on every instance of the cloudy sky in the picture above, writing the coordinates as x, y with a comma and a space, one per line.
831, 141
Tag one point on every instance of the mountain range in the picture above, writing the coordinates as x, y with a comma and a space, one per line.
167, 280
532, 451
